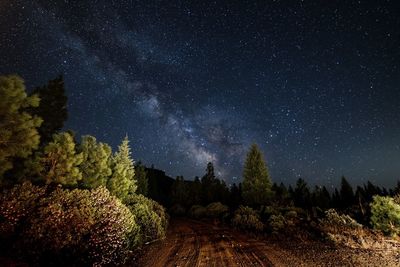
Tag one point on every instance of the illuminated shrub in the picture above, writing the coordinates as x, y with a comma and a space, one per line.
385, 215
16, 204
276, 223
246, 218
150, 217
216, 210
80, 226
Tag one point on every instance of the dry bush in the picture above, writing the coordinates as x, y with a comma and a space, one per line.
245, 218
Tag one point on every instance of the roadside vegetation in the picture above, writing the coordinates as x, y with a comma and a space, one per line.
74, 201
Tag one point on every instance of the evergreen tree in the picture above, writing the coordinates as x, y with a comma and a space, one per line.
141, 178
179, 192
235, 195
18, 128
195, 192
208, 184
95, 166
52, 108
346, 194
321, 197
58, 162
256, 181
122, 182
301, 194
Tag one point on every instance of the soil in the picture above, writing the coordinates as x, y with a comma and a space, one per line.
197, 243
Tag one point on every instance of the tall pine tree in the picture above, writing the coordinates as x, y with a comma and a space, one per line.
256, 184
122, 181
58, 162
96, 162
141, 178
18, 128
52, 108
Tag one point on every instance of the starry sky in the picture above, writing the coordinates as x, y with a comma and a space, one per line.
314, 83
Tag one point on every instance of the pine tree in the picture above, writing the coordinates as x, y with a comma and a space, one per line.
141, 178
179, 192
346, 194
58, 162
52, 108
95, 166
18, 128
195, 192
256, 181
208, 185
301, 194
122, 182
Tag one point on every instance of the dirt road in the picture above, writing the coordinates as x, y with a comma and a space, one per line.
195, 243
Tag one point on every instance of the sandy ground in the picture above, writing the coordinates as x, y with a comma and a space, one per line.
195, 243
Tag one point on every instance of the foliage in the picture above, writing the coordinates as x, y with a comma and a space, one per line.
256, 181
122, 182
385, 215
18, 128
197, 212
52, 108
179, 192
90, 226
16, 204
334, 220
95, 166
216, 210
276, 223
246, 218
346, 194
150, 217
58, 162
141, 178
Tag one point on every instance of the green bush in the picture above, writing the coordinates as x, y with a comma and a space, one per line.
385, 215
150, 216
197, 212
334, 220
217, 210
16, 204
247, 219
88, 227
276, 223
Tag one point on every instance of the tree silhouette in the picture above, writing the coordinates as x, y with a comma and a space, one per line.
256, 181
52, 108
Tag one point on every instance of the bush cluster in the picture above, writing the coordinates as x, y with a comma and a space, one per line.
385, 215
245, 218
78, 226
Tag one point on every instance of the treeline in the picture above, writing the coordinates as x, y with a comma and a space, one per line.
64, 201
257, 203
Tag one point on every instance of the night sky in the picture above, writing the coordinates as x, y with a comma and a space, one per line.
315, 83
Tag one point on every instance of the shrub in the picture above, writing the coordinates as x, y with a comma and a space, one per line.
85, 223
276, 223
16, 204
216, 210
334, 220
197, 211
385, 215
91, 227
150, 216
246, 218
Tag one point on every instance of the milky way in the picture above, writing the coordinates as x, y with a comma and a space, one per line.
315, 85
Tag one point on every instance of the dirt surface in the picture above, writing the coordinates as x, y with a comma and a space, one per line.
195, 243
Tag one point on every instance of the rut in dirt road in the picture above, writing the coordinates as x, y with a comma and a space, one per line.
193, 243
